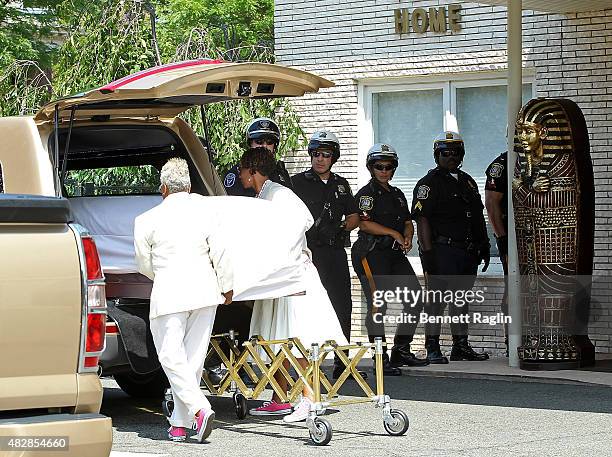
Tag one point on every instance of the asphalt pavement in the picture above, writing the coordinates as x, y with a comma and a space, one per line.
448, 416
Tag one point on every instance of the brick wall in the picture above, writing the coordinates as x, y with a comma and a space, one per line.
350, 41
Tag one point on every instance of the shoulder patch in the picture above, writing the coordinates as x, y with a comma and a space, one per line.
496, 170
366, 203
230, 180
423, 192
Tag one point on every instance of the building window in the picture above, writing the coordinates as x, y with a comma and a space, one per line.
409, 116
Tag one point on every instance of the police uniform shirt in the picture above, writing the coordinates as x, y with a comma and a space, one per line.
233, 185
315, 193
497, 181
451, 204
385, 207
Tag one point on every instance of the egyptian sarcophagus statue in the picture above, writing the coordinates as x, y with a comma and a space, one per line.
553, 198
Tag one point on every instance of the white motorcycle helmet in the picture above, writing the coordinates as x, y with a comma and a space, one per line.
327, 140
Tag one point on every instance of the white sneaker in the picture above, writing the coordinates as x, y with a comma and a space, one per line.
300, 412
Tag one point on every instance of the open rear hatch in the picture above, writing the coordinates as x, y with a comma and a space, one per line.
160, 92
168, 90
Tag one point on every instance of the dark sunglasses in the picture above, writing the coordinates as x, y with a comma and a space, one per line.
381, 167
325, 154
262, 141
450, 152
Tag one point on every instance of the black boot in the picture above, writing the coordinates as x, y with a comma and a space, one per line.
463, 351
339, 368
388, 369
216, 374
401, 355
434, 354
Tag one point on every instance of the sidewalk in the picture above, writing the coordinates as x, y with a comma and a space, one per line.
498, 369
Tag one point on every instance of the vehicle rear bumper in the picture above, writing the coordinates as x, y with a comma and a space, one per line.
88, 434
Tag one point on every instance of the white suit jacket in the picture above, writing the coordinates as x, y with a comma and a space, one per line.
180, 246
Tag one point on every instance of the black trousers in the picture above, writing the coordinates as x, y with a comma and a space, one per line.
504, 303
390, 270
332, 265
455, 273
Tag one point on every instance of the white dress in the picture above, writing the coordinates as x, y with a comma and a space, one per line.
310, 317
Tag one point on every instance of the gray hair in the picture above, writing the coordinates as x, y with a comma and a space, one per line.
175, 175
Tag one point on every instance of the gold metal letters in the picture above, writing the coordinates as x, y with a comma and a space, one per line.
436, 20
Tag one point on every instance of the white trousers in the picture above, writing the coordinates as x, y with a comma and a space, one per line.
181, 340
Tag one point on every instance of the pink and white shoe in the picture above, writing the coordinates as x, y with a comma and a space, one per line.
177, 433
301, 411
271, 408
203, 424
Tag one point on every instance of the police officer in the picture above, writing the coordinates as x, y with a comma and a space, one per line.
379, 255
260, 132
330, 200
496, 202
452, 241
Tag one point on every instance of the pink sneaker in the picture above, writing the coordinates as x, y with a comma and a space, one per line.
177, 433
203, 424
271, 408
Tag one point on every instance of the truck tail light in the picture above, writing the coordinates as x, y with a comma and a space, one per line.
93, 331
96, 335
92, 259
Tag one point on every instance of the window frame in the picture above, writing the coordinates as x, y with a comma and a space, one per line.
449, 83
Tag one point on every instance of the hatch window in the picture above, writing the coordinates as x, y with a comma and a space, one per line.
131, 180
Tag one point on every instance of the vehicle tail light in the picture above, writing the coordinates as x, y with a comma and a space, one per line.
92, 259
94, 305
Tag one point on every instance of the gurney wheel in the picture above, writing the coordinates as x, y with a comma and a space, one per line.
399, 423
322, 432
167, 407
240, 404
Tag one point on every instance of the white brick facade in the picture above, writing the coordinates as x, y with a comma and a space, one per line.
353, 42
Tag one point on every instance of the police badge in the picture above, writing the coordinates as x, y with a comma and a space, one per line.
423, 192
229, 180
496, 170
366, 203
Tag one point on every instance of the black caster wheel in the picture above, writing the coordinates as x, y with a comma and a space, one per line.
322, 434
398, 424
167, 407
240, 404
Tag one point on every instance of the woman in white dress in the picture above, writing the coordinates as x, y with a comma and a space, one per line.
310, 317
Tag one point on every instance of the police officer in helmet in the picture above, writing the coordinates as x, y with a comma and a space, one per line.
453, 241
260, 132
379, 255
330, 200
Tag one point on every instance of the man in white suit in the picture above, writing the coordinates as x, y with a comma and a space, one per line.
179, 246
